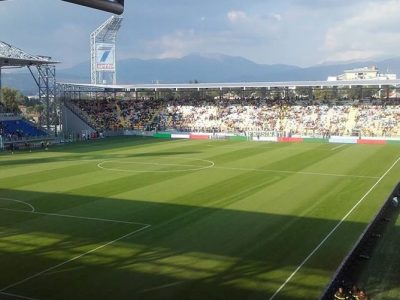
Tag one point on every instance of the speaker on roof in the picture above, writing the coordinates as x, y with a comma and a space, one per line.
113, 6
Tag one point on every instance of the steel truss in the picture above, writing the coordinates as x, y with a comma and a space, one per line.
46, 82
45, 77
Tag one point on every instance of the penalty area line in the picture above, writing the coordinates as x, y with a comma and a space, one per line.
33, 211
19, 201
73, 259
332, 231
73, 217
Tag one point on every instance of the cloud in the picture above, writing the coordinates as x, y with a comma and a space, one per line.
236, 16
276, 17
174, 45
301, 32
370, 33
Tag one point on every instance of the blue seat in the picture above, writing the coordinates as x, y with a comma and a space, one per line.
20, 128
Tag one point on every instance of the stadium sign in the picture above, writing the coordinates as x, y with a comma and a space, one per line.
105, 57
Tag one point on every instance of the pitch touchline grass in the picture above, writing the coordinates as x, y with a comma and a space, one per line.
333, 230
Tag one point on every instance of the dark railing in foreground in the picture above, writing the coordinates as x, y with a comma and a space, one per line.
349, 270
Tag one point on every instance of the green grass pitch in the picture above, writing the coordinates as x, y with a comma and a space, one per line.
142, 218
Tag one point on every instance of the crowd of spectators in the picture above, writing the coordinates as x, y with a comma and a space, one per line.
102, 113
378, 120
109, 114
278, 117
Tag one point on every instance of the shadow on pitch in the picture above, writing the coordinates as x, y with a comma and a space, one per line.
190, 252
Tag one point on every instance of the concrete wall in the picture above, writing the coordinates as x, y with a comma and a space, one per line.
73, 124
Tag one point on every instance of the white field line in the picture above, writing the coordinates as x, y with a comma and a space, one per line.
338, 147
240, 148
65, 270
73, 259
333, 230
74, 217
196, 167
33, 211
152, 164
295, 172
17, 296
19, 201
164, 286
212, 165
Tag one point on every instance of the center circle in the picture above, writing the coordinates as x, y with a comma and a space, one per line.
156, 165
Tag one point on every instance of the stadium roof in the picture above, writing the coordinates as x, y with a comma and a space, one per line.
11, 56
242, 85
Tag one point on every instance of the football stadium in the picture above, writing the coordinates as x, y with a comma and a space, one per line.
243, 190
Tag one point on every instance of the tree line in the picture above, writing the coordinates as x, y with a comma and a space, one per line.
11, 100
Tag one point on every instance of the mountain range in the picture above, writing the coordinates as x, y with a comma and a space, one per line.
203, 68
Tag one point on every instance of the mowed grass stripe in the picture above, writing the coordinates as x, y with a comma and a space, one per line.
79, 190
197, 183
64, 171
233, 234
242, 191
197, 216
113, 186
357, 160
334, 230
272, 157
188, 181
35, 165
194, 181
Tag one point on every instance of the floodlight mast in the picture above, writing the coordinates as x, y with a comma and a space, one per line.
102, 52
113, 6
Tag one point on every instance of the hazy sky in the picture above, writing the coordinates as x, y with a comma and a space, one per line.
299, 32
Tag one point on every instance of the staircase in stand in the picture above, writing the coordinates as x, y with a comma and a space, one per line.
80, 114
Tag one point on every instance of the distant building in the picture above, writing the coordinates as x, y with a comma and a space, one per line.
366, 73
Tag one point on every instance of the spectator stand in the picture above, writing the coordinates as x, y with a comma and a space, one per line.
246, 117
